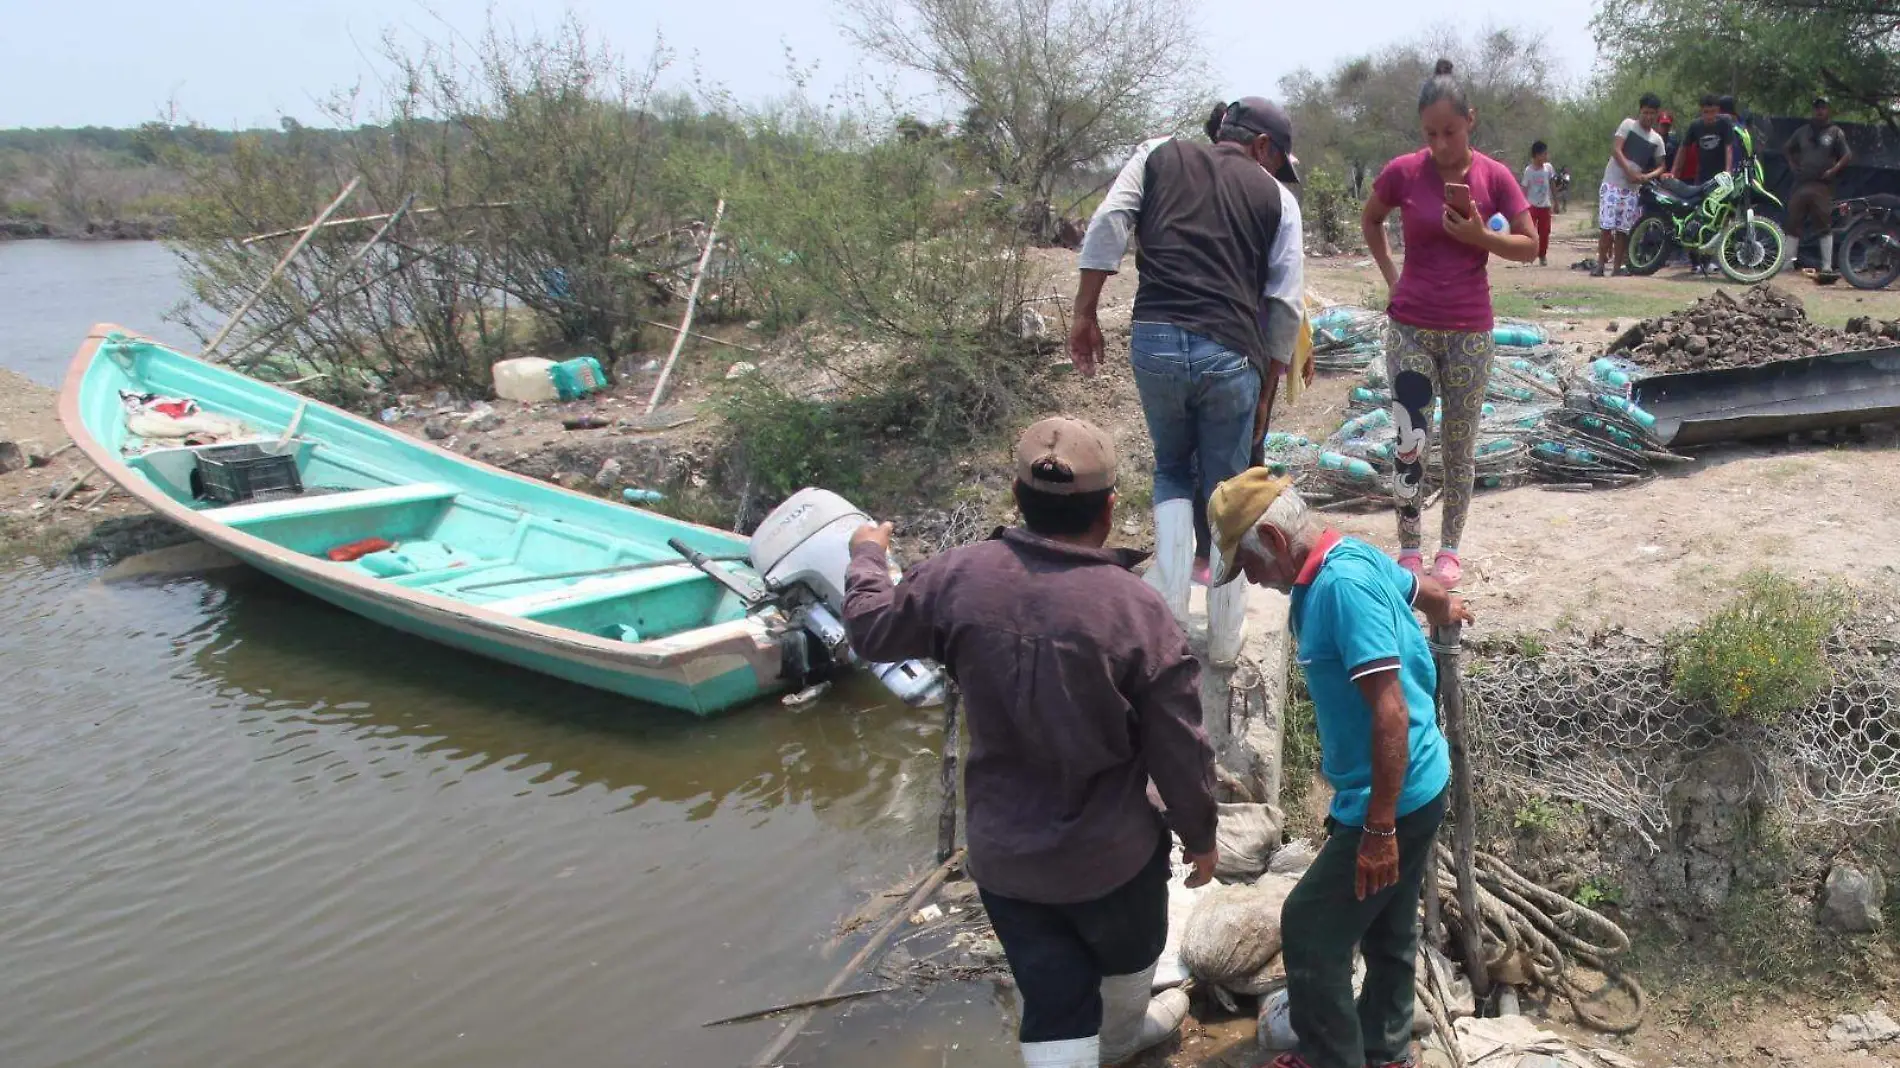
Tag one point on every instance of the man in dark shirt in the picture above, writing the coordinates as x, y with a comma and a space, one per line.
1216, 315
1080, 691
1712, 136
1816, 153
1667, 125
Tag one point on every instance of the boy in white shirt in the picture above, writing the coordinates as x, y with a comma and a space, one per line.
1536, 182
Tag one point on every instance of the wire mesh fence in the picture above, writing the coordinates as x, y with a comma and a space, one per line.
1599, 722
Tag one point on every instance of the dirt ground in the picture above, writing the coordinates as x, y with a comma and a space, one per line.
29, 518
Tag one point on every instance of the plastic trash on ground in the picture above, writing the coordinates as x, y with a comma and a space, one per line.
525, 379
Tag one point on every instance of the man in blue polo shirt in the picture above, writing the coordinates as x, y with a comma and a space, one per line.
1373, 685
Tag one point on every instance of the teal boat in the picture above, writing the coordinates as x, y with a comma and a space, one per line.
417, 538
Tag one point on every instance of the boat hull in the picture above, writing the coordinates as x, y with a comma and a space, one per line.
734, 657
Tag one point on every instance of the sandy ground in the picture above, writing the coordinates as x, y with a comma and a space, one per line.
28, 516
1648, 557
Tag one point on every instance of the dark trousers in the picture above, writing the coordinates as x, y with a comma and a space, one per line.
1323, 921
1060, 954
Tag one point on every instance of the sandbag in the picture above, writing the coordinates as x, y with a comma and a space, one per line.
1247, 835
1233, 935
1293, 858
1169, 970
1507, 1041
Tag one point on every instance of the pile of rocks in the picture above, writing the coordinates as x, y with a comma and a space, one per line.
1765, 325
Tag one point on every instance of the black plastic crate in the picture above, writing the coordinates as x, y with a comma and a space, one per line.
231, 474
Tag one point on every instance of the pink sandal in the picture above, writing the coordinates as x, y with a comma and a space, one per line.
1410, 560
1446, 568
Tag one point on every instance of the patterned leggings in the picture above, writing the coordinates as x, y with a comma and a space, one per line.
1423, 364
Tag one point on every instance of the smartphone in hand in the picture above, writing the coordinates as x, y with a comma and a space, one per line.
1458, 195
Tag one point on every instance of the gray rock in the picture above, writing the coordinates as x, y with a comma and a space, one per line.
1852, 899
609, 474
1698, 344
12, 457
438, 429
487, 422
1863, 1030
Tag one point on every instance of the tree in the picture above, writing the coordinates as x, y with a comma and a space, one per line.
1365, 110
1046, 88
1774, 55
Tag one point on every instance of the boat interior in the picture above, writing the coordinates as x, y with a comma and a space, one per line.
360, 497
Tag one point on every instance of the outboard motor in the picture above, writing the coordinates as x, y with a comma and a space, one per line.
802, 550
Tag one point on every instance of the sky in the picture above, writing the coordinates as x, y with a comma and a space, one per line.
241, 63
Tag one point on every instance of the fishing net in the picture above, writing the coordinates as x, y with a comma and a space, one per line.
1598, 722
1347, 338
1839, 762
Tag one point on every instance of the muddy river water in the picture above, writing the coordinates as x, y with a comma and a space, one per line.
241, 827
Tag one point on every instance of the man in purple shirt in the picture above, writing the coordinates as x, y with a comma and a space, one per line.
1080, 693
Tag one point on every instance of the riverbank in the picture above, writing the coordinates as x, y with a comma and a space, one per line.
90, 230
1544, 568
40, 467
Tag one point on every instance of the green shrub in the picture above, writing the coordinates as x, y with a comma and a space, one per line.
1331, 214
1763, 655
784, 442
1596, 891
1299, 741
1536, 815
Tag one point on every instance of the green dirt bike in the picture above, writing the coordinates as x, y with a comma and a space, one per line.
1717, 219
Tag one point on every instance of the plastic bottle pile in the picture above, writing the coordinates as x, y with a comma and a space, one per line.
1349, 338
1599, 437
1535, 425
1356, 460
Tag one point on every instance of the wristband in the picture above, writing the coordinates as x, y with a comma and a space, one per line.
1390, 832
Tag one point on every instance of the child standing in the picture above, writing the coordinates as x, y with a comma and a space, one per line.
1536, 182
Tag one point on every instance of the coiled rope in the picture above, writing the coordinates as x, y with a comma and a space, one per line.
1547, 933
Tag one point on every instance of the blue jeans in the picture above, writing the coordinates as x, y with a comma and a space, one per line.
1199, 398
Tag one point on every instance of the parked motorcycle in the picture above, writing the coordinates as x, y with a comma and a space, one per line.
1867, 240
1717, 218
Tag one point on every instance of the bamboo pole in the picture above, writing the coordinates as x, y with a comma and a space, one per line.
692, 302
924, 889
952, 742
801, 1003
1451, 706
271, 278
356, 258
254, 238
91, 470
703, 337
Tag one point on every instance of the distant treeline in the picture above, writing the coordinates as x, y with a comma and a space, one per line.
102, 181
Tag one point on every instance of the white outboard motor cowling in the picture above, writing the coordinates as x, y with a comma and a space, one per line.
806, 544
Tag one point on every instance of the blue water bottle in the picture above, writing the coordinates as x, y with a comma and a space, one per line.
1497, 223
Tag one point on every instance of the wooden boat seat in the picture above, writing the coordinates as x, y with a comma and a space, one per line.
590, 591
239, 515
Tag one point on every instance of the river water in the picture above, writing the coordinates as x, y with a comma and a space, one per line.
242, 827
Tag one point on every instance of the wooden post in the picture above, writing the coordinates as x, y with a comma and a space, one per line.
915, 901
1451, 707
692, 301
952, 741
279, 269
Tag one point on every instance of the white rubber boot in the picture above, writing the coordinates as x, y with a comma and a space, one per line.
1827, 253
1226, 616
1172, 570
1068, 1053
1132, 1021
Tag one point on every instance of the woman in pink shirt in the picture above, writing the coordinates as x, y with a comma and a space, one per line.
1439, 341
